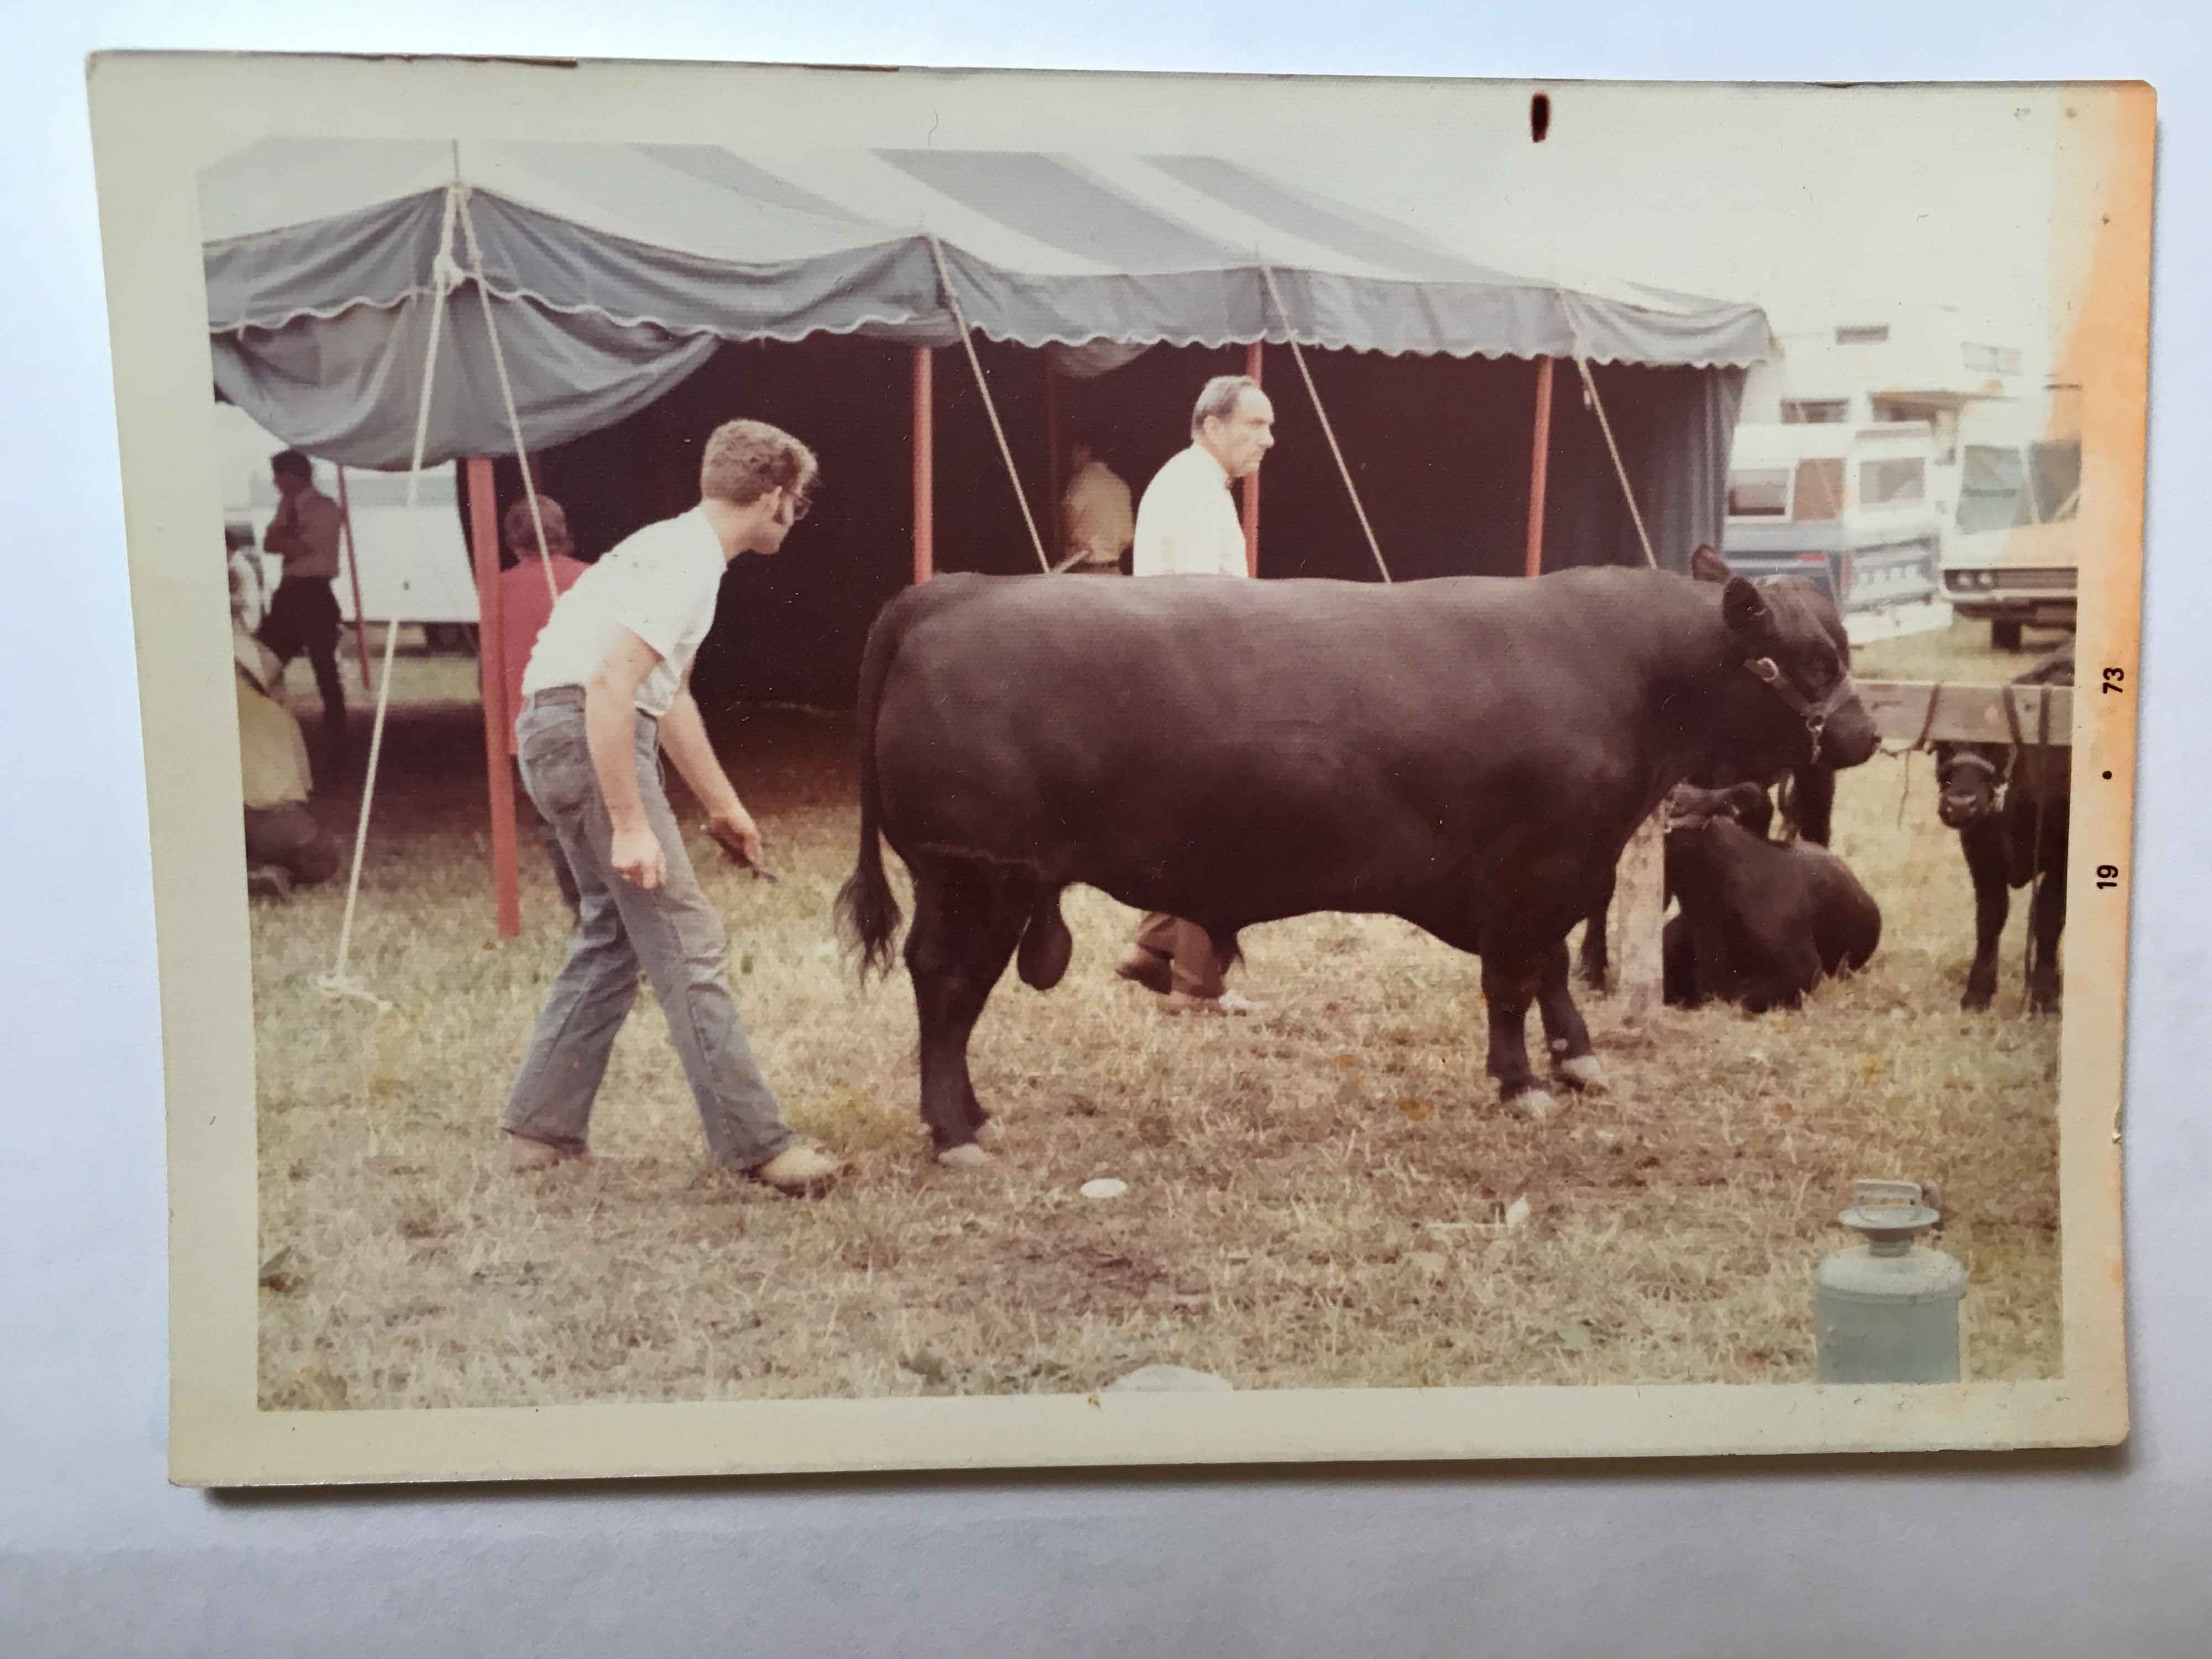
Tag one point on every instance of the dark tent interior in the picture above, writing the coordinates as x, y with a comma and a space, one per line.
1440, 448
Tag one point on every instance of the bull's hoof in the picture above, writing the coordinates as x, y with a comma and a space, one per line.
990, 1132
966, 1155
1534, 1105
1582, 1072
1974, 1002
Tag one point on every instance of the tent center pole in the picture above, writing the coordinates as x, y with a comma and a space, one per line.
499, 718
1253, 361
1052, 455
1540, 466
925, 468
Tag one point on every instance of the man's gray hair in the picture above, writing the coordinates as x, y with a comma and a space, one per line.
1216, 401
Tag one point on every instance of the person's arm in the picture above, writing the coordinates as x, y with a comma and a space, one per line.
282, 535
610, 731
684, 735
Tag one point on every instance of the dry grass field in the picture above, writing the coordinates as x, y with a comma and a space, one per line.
1316, 1196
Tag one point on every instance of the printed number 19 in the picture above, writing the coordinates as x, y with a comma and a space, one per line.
2108, 875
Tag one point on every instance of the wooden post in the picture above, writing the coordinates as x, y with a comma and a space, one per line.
1540, 466
1253, 355
353, 567
1639, 911
499, 718
1052, 462
925, 468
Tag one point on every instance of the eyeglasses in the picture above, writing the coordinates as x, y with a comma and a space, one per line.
799, 505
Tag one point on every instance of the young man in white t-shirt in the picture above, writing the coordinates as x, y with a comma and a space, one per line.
607, 690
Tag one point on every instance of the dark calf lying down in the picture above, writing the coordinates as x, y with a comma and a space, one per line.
1761, 921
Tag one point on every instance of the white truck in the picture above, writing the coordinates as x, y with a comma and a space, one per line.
2013, 556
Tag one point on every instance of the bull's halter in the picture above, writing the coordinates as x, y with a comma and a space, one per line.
1815, 714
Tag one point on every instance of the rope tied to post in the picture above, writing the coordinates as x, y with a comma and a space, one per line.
991, 409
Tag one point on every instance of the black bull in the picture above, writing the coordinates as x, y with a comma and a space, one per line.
1471, 755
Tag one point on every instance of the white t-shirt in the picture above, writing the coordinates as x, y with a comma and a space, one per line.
1187, 524
661, 584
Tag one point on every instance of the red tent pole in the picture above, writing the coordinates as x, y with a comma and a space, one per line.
499, 718
1052, 455
353, 567
1252, 364
1540, 466
925, 468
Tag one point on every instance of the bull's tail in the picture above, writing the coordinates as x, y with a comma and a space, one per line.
868, 914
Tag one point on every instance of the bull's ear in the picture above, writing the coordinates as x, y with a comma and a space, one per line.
1744, 609
1707, 565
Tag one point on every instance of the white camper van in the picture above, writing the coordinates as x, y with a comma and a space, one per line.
1847, 506
413, 568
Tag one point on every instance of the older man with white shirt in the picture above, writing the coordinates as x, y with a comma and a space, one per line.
1187, 526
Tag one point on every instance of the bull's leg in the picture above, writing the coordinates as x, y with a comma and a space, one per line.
1594, 959
1983, 845
1564, 1034
1509, 990
967, 920
2046, 919
1812, 803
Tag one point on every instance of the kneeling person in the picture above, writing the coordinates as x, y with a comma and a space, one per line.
607, 688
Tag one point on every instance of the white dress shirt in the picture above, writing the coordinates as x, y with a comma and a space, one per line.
1187, 522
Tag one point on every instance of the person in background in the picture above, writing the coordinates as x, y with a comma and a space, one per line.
286, 846
249, 588
1097, 521
526, 603
607, 692
303, 615
1186, 525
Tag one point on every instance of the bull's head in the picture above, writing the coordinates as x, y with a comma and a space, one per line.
1969, 780
1791, 647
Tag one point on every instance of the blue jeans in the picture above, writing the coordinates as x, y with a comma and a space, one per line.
672, 932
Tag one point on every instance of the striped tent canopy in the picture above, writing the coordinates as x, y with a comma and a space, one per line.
617, 270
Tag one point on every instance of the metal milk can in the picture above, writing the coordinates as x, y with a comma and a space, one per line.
1888, 1311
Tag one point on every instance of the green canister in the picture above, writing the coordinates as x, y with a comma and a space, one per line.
1889, 1311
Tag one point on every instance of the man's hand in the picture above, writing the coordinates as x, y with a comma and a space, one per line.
732, 826
638, 859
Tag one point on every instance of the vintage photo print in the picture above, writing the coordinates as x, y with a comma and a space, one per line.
926, 769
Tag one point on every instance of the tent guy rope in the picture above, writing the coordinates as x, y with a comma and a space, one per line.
1005, 453
339, 981
506, 393
1605, 426
1329, 432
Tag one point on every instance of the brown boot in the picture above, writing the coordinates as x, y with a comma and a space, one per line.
527, 1157
1146, 968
